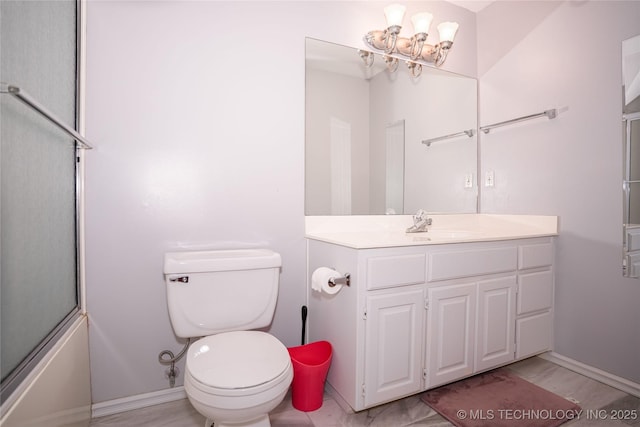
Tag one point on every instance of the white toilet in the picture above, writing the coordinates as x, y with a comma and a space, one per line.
234, 375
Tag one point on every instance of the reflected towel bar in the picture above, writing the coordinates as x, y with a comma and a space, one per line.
550, 114
469, 133
29, 101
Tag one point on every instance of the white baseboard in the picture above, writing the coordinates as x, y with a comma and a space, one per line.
593, 373
138, 401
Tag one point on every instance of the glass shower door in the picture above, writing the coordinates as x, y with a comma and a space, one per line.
37, 233
39, 292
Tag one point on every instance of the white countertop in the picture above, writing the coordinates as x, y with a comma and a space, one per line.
380, 231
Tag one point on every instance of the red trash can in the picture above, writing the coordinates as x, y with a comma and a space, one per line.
310, 366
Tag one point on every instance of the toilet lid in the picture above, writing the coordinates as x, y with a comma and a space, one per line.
238, 359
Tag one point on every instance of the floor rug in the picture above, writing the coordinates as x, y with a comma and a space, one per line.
499, 399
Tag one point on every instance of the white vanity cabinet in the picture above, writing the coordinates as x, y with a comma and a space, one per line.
394, 340
470, 328
450, 333
535, 299
416, 317
471, 310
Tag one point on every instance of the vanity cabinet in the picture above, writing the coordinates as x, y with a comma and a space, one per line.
417, 317
495, 320
470, 328
534, 322
450, 333
394, 341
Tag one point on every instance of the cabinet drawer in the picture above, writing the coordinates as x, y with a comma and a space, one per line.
633, 239
455, 264
535, 291
398, 270
531, 256
633, 264
533, 335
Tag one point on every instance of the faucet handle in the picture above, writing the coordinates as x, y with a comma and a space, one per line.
421, 215
420, 222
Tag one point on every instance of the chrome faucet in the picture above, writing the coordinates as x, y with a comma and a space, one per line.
420, 222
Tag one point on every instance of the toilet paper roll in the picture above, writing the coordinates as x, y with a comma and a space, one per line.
320, 280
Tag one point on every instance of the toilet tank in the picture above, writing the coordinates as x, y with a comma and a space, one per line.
209, 292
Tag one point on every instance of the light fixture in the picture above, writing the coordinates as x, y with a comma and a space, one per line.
367, 57
415, 48
394, 13
392, 63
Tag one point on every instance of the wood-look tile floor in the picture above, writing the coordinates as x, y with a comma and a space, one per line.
600, 400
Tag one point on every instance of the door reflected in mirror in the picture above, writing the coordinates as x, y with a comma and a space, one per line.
364, 133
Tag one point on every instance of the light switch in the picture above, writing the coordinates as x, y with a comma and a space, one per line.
468, 180
489, 179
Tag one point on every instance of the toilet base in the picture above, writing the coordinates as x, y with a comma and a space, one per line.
259, 422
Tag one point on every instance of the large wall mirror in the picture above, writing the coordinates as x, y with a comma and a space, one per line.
365, 128
631, 159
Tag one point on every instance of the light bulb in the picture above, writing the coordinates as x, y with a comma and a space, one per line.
394, 14
421, 22
447, 31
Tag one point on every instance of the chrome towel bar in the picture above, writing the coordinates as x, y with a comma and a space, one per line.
469, 133
550, 114
21, 95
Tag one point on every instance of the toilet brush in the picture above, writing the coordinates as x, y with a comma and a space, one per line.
304, 322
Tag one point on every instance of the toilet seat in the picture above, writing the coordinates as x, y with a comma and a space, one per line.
237, 363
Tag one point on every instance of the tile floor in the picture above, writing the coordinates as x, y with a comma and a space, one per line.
590, 395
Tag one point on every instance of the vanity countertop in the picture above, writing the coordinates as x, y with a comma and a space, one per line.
381, 231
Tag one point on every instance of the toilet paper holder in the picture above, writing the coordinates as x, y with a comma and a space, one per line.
344, 280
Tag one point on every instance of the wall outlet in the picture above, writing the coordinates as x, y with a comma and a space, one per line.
489, 179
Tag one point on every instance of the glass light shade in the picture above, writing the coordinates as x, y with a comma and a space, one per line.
447, 31
394, 14
421, 22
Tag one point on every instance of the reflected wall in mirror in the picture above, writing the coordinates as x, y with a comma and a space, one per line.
364, 130
631, 159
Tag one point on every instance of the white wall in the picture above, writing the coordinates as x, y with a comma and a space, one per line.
538, 55
197, 112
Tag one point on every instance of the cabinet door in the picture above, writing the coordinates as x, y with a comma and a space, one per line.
533, 334
450, 333
393, 345
495, 325
535, 292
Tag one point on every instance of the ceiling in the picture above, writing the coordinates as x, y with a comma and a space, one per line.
472, 5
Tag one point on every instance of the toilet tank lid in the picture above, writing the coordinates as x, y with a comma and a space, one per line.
220, 260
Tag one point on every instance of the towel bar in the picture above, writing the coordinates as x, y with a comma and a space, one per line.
35, 105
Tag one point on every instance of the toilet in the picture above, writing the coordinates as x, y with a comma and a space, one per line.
235, 375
